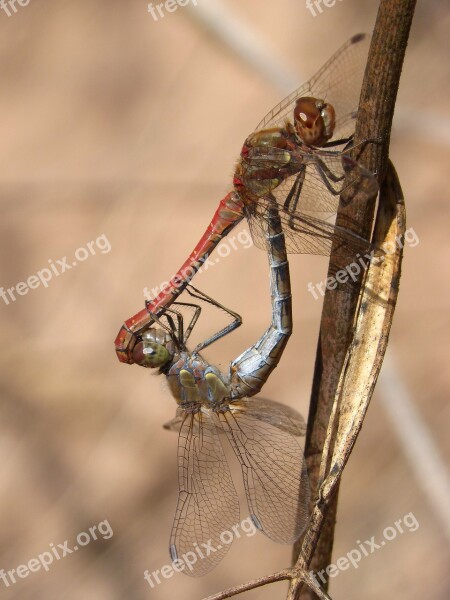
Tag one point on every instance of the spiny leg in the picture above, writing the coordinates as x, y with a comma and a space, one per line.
293, 198
182, 335
171, 329
171, 322
194, 319
196, 293
348, 141
237, 319
291, 202
325, 173
328, 172
362, 145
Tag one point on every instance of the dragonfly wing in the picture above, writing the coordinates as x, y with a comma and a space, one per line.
274, 473
207, 502
338, 82
308, 222
176, 423
327, 175
279, 415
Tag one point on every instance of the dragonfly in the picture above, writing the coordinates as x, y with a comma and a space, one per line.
297, 157
214, 407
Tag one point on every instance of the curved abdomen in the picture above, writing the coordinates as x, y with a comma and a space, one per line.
251, 369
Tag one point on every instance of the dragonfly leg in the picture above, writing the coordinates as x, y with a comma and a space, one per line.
326, 175
182, 335
328, 172
291, 202
237, 319
293, 198
176, 333
362, 145
348, 141
197, 310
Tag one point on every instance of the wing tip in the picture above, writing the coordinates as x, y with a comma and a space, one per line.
173, 552
358, 37
256, 522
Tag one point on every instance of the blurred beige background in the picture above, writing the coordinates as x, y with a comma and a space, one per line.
116, 125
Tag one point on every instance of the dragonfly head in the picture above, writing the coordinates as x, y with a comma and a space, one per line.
155, 349
314, 120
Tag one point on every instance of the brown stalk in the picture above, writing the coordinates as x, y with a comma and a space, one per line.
355, 324
376, 110
356, 383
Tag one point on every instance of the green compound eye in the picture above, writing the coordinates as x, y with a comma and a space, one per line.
150, 354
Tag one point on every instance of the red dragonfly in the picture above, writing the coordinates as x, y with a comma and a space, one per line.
297, 157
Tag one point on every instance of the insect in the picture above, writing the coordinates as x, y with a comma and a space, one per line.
298, 159
214, 407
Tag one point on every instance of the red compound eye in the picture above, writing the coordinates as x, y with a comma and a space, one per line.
314, 120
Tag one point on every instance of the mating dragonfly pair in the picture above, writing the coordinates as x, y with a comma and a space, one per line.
287, 184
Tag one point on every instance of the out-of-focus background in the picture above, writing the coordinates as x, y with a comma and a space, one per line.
123, 130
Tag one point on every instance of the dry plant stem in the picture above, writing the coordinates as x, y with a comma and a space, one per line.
377, 104
354, 327
358, 377
251, 585
365, 354
295, 577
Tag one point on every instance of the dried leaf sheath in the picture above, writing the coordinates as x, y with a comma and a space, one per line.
365, 355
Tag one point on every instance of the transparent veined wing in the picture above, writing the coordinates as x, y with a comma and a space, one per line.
338, 82
273, 468
320, 177
308, 202
279, 415
176, 423
207, 501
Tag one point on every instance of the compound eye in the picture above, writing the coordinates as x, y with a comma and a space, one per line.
150, 354
314, 120
328, 115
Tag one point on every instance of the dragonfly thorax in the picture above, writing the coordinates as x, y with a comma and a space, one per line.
195, 383
265, 162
